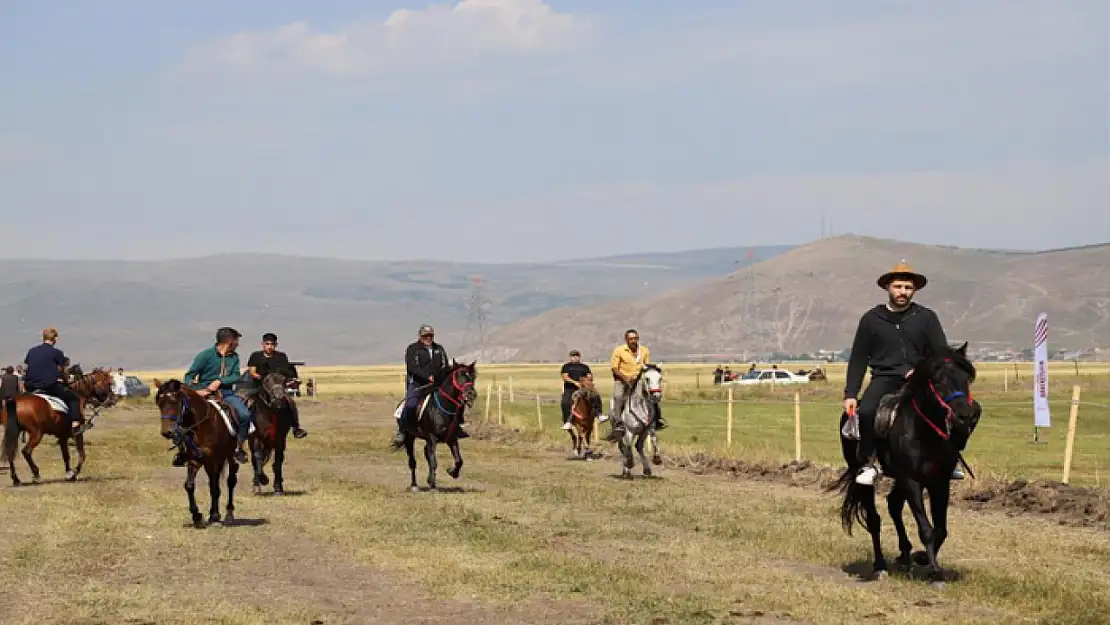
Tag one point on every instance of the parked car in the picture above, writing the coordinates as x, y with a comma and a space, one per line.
135, 387
769, 376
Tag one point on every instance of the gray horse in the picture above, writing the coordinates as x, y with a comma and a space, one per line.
638, 418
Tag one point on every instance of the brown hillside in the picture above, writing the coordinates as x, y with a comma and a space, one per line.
811, 298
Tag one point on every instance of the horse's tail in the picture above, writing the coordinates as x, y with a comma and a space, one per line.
11, 431
855, 495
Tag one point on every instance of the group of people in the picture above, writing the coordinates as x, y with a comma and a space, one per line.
215, 370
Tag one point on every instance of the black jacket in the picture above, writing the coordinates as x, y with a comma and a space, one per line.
421, 365
892, 342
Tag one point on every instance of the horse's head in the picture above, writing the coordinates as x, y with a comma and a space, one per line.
460, 382
945, 380
651, 377
172, 399
272, 389
101, 390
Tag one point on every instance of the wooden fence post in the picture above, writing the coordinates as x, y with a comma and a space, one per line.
510, 389
539, 412
489, 399
1071, 432
728, 433
500, 418
798, 427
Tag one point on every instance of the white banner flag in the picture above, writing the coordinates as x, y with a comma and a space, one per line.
1041, 418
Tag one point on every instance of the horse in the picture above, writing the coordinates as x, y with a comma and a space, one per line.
194, 421
438, 418
583, 415
37, 414
638, 418
919, 435
273, 408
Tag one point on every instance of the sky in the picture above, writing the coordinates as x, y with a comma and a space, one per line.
525, 130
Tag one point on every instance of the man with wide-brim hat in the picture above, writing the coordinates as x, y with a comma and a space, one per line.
890, 338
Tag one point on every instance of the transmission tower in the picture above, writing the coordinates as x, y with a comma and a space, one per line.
476, 319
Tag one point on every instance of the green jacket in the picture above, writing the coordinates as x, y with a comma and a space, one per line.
210, 365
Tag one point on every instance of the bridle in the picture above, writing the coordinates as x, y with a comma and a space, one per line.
462, 391
946, 403
180, 430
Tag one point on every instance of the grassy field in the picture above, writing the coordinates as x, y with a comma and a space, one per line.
763, 419
525, 536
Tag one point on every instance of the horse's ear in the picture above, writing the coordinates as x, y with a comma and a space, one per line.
471, 365
962, 350
157, 383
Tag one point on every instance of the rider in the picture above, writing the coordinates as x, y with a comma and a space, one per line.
891, 337
216, 369
573, 372
425, 362
626, 362
46, 373
270, 360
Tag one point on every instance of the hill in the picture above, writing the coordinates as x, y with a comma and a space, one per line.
159, 314
811, 298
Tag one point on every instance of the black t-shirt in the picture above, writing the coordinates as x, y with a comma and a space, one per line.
278, 363
9, 385
576, 371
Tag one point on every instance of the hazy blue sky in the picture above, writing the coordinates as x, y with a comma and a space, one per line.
387, 130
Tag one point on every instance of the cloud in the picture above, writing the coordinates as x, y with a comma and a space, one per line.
439, 36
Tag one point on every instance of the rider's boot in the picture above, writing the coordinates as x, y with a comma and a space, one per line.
298, 431
402, 423
180, 459
240, 453
957, 473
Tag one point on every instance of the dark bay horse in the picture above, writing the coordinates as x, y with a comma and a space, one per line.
583, 415
438, 422
934, 416
191, 420
272, 415
37, 416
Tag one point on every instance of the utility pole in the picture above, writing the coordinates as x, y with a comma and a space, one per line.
476, 320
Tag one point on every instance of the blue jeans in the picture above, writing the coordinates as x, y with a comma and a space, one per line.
240, 407
413, 395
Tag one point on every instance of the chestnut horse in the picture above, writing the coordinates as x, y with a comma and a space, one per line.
37, 417
191, 420
583, 414
272, 412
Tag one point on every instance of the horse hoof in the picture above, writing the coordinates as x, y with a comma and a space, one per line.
263, 479
278, 492
71, 476
229, 519
36, 479
921, 558
213, 519
414, 489
453, 473
937, 585
647, 472
257, 489
879, 575
657, 460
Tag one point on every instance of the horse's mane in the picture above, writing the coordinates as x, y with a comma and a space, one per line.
932, 363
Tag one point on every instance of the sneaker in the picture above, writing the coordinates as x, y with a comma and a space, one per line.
179, 460
603, 418
867, 476
957, 473
299, 433
240, 456
398, 440
567, 426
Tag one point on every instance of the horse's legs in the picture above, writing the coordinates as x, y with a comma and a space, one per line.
895, 502
640, 450
79, 442
575, 447
874, 527
279, 460
191, 489
625, 445
938, 508
915, 497
656, 457
456, 453
213, 471
430, 456
410, 443
63, 445
32, 441
232, 480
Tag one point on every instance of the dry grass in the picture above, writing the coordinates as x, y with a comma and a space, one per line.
529, 537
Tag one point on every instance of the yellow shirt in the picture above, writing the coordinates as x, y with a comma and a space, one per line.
627, 363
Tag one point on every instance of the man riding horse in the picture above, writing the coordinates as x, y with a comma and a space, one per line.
216, 370
46, 373
626, 363
573, 372
425, 363
889, 338
269, 360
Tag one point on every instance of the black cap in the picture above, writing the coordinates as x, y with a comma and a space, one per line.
225, 334
269, 337
575, 352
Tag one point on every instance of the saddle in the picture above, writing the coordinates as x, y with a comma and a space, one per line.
56, 403
232, 424
419, 407
884, 418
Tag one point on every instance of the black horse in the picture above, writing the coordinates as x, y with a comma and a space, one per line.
273, 418
439, 421
935, 416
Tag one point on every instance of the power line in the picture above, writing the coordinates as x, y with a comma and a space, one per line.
476, 318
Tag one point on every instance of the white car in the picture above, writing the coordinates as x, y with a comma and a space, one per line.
769, 376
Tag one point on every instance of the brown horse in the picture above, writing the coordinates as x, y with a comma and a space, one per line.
37, 416
273, 407
583, 414
191, 420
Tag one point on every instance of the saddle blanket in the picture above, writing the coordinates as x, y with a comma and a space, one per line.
227, 419
57, 404
419, 409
